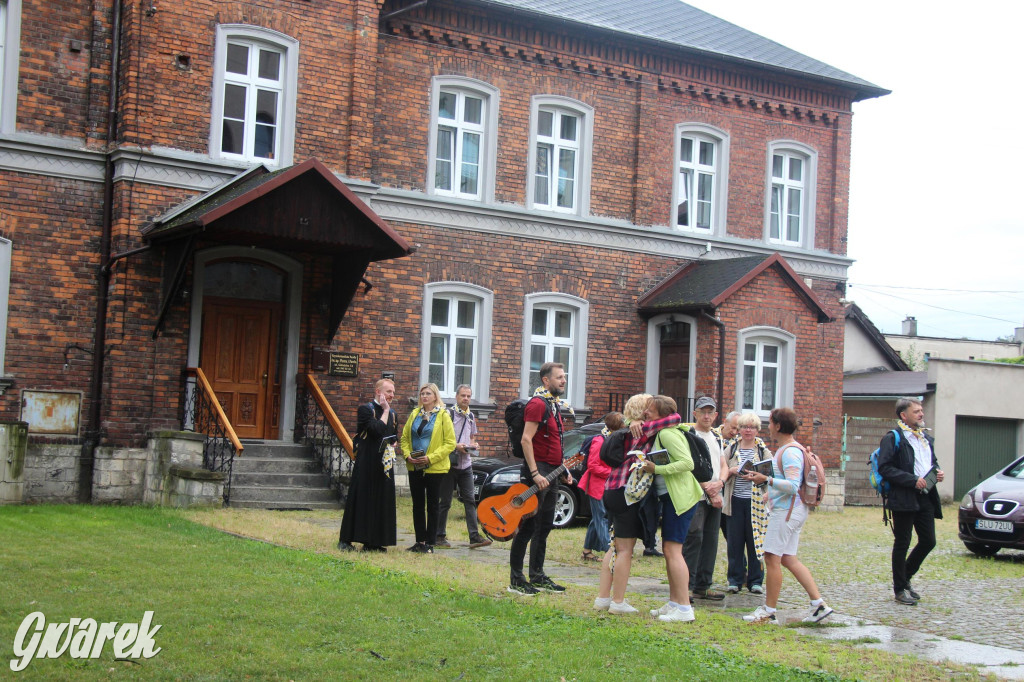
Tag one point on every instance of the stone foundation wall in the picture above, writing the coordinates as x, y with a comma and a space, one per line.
118, 475
51, 473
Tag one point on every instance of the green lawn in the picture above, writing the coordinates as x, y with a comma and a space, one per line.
232, 608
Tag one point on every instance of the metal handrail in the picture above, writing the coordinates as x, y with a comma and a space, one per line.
317, 425
203, 413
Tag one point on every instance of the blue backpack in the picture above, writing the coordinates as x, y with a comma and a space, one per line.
880, 485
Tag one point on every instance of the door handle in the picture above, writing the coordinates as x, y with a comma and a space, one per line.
263, 382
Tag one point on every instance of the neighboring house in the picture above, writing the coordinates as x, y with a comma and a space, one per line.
452, 192
865, 348
975, 411
918, 350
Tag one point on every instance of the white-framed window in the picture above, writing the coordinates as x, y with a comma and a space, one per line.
792, 171
10, 45
463, 138
765, 367
701, 178
254, 95
457, 337
5, 291
555, 330
561, 131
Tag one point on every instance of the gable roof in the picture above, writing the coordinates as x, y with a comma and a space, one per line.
677, 24
705, 285
304, 207
857, 316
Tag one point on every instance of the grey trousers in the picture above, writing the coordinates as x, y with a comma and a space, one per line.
701, 547
464, 479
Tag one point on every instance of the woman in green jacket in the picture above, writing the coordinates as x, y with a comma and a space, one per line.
679, 492
427, 439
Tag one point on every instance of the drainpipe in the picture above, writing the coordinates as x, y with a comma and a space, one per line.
721, 355
86, 460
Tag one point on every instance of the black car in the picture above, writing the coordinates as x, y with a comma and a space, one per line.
494, 476
991, 514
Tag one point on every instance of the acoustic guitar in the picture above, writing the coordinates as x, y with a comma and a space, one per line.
500, 515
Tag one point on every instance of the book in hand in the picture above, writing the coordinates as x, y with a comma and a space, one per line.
659, 457
764, 467
417, 454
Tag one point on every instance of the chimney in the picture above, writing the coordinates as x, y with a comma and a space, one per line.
1018, 335
910, 326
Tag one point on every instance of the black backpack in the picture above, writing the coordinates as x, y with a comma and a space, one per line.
514, 413
701, 455
613, 450
585, 450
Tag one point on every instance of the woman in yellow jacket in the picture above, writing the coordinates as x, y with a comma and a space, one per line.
427, 439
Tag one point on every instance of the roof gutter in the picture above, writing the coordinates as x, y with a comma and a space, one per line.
93, 430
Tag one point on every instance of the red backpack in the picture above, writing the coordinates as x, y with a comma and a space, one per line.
812, 480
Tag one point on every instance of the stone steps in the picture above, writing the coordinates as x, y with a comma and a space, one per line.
276, 475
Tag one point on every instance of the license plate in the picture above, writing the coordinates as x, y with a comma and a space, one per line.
988, 524
478, 491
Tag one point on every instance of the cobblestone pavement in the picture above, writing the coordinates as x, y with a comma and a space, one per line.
981, 611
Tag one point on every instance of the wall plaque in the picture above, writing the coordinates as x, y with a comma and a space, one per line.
51, 412
343, 365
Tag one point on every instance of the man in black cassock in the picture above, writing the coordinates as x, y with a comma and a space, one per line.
370, 506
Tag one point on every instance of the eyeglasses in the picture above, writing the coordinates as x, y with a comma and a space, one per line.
748, 427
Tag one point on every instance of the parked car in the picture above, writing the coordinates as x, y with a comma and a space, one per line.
992, 513
494, 476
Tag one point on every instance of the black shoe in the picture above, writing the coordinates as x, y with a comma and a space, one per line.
912, 593
652, 552
523, 588
374, 548
479, 541
420, 548
904, 597
547, 584
345, 547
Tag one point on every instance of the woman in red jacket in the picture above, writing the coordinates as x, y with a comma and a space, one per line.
592, 483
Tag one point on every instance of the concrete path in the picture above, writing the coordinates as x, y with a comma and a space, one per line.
971, 622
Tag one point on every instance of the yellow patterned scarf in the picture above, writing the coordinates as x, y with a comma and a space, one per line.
459, 410
542, 392
917, 432
388, 459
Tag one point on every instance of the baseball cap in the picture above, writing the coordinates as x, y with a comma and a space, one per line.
705, 401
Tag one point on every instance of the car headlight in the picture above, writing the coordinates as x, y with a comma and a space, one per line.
967, 502
506, 477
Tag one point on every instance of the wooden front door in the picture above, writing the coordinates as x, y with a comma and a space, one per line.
674, 363
239, 357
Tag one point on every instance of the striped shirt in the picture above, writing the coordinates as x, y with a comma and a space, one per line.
743, 486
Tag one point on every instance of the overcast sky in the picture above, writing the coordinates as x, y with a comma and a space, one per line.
936, 193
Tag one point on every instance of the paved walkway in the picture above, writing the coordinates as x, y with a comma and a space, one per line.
969, 621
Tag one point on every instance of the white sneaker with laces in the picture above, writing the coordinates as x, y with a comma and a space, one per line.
759, 612
756, 589
733, 589
818, 613
662, 610
602, 603
621, 608
678, 615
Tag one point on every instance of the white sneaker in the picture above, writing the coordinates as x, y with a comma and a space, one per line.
759, 612
733, 589
678, 615
602, 603
661, 611
621, 608
818, 613
756, 589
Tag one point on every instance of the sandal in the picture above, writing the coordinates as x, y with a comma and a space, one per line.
589, 555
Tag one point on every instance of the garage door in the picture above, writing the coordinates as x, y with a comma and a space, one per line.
983, 446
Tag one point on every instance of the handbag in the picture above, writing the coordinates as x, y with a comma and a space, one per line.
639, 482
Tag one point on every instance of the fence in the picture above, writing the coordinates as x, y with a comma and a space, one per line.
861, 436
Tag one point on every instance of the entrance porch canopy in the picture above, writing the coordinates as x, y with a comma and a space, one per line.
303, 208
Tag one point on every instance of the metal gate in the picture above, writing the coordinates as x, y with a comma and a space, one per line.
861, 436
983, 446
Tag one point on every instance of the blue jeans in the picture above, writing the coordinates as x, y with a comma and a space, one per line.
597, 537
744, 568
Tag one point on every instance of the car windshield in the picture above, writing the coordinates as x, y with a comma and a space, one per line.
1017, 470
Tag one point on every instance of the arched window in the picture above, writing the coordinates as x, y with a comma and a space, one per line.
463, 138
555, 330
701, 178
764, 369
255, 76
456, 337
792, 171
561, 132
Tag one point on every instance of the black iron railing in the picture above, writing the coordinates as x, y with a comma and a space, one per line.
203, 413
617, 401
318, 426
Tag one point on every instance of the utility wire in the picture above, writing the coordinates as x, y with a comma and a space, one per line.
962, 291
948, 310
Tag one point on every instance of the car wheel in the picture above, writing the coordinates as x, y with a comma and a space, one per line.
565, 508
982, 549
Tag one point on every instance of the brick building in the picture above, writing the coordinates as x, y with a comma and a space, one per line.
443, 191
